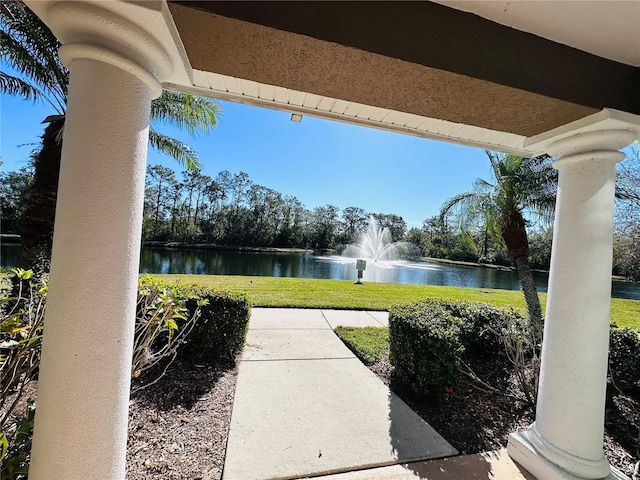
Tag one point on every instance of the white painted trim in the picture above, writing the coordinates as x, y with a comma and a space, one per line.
606, 119
149, 18
511, 146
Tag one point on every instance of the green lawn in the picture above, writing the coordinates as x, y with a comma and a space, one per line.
312, 293
367, 343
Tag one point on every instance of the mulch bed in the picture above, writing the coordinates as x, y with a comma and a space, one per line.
475, 420
178, 426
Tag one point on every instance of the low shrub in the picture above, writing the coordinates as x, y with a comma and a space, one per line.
367, 343
430, 339
219, 334
624, 360
424, 346
483, 327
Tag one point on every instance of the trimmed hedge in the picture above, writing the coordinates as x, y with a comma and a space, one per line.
424, 346
222, 319
482, 325
624, 360
427, 340
220, 333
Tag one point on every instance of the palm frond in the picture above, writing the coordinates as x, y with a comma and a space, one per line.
28, 46
456, 202
174, 148
494, 161
466, 210
195, 114
18, 87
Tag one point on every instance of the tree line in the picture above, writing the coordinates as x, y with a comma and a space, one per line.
231, 209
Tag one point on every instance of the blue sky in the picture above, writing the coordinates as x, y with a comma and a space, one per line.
318, 161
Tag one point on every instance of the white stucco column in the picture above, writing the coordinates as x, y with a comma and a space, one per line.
566, 439
84, 379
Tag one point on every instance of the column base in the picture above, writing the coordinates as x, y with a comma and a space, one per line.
522, 450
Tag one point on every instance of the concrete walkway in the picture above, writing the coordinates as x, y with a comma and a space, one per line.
305, 406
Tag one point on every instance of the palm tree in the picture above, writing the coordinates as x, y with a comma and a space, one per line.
30, 49
522, 186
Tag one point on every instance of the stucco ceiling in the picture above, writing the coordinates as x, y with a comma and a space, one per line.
608, 29
421, 68
484, 73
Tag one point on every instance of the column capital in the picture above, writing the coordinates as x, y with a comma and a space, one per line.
601, 145
605, 131
137, 37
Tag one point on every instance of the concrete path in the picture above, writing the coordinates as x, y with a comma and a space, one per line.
495, 465
306, 406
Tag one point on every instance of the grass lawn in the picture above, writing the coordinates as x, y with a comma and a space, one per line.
367, 343
344, 294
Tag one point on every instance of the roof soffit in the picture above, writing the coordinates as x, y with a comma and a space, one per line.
447, 39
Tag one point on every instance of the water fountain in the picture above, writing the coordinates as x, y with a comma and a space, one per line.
383, 257
375, 244
375, 249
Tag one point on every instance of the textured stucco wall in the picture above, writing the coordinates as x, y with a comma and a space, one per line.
266, 55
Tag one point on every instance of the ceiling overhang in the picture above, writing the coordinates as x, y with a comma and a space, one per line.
414, 67
421, 68
446, 39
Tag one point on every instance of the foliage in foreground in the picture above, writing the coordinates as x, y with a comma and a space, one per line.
160, 308
367, 343
20, 341
168, 317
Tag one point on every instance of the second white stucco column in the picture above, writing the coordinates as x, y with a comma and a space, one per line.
566, 440
84, 379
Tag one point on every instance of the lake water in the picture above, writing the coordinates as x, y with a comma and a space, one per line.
308, 265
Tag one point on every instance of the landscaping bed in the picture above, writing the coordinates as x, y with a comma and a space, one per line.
178, 427
475, 420
473, 398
